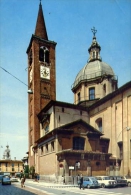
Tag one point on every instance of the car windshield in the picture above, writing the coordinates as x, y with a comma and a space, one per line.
120, 177
93, 178
128, 177
106, 178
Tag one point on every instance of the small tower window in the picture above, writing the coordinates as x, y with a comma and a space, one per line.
47, 56
93, 55
41, 55
92, 93
97, 55
44, 54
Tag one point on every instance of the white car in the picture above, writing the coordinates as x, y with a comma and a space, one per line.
105, 181
14, 179
128, 178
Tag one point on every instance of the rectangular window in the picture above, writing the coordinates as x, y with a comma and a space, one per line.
92, 93
121, 151
79, 97
104, 149
78, 143
52, 146
93, 54
41, 150
100, 125
46, 147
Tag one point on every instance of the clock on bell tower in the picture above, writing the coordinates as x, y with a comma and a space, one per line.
41, 77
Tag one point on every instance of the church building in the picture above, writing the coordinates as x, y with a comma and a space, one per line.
91, 136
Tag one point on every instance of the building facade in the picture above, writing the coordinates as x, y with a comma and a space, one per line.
91, 136
9, 166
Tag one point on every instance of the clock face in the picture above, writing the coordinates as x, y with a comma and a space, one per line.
44, 72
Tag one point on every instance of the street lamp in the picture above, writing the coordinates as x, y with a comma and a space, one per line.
30, 91
127, 128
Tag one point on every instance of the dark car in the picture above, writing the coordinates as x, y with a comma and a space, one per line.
6, 180
120, 181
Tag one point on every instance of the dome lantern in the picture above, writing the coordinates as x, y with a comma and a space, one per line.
96, 79
94, 49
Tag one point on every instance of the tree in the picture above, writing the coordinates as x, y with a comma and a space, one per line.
32, 171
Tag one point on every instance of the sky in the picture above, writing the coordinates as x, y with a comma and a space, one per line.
69, 24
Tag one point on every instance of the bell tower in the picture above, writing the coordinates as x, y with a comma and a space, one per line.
41, 78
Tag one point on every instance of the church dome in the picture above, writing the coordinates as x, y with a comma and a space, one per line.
93, 70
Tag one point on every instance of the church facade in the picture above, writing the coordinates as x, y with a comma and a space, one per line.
91, 136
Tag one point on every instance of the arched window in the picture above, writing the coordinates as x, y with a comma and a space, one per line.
41, 54
44, 54
99, 124
78, 143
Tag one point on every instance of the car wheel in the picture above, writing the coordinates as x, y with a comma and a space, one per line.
88, 186
2, 183
103, 185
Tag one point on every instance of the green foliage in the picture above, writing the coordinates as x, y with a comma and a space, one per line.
26, 169
32, 171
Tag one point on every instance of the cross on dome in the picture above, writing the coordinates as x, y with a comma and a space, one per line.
94, 31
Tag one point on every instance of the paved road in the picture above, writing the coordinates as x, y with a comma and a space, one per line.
17, 190
42, 188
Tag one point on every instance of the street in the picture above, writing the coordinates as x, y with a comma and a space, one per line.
34, 188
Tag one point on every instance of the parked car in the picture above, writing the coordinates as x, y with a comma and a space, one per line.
14, 179
105, 181
120, 180
1, 176
90, 182
6, 180
128, 178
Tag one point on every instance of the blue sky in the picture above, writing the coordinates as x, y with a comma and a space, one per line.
68, 23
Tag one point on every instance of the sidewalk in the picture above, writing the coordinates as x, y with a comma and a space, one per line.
51, 185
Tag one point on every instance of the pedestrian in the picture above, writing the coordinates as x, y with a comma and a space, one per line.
63, 179
23, 181
81, 181
78, 179
38, 177
35, 176
21, 174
